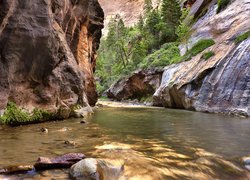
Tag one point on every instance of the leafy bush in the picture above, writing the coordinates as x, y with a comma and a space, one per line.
14, 115
242, 37
207, 55
222, 4
162, 57
100, 89
200, 46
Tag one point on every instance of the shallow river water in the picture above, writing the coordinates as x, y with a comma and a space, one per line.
152, 143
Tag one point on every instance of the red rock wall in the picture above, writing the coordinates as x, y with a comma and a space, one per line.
48, 52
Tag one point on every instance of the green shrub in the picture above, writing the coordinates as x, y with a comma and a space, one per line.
207, 55
222, 4
41, 115
242, 37
200, 46
14, 115
162, 57
100, 88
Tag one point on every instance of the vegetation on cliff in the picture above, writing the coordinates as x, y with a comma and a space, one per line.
15, 115
151, 42
242, 37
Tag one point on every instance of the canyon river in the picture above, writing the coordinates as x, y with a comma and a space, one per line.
152, 143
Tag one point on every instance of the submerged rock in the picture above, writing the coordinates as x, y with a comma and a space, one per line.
246, 162
64, 161
44, 130
93, 169
16, 169
142, 83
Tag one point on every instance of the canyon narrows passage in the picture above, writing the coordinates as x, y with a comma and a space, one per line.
139, 58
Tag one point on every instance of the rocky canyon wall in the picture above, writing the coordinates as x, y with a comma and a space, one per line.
220, 84
129, 10
48, 52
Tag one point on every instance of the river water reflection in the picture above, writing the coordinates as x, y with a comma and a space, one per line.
153, 143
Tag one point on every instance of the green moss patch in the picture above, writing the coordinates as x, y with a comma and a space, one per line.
15, 115
168, 54
200, 46
242, 37
208, 55
222, 4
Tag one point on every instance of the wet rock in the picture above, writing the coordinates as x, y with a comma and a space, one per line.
64, 113
48, 62
140, 84
83, 112
82, 122
93, 169
44, 130
16, 169
64, 161
246, 162
72, 143
85, 169
64, 129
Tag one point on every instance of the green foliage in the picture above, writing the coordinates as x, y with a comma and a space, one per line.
242, 37
200, 46
147, 99
14, 115
124, 48
183, 31
166, 55
207, 55
222, 4
100, 89
171, 13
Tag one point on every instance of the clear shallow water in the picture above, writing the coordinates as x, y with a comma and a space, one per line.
153, 143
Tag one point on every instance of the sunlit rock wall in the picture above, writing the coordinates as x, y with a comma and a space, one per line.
48, 52
221, 83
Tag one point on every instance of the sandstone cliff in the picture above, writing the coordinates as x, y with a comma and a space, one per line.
142, 83
221, 83
129, 10
48, 52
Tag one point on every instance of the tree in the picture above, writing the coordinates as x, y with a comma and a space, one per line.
147, 6
171, 13
183, 30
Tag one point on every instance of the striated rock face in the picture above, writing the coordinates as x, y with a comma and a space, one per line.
221, 83
129, 10
142, 83
48, 52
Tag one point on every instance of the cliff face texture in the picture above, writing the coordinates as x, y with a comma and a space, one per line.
48, 52
129, 10
221, 83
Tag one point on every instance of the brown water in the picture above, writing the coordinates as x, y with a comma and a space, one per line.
153, 143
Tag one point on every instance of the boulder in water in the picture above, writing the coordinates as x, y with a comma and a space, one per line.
93, 169
246, 161
64, 161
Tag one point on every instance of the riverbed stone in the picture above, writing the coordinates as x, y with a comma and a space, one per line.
85, 169
246, 162
95, 169
64, 161
16, 169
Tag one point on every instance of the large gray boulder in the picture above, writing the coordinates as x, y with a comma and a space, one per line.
94, 169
